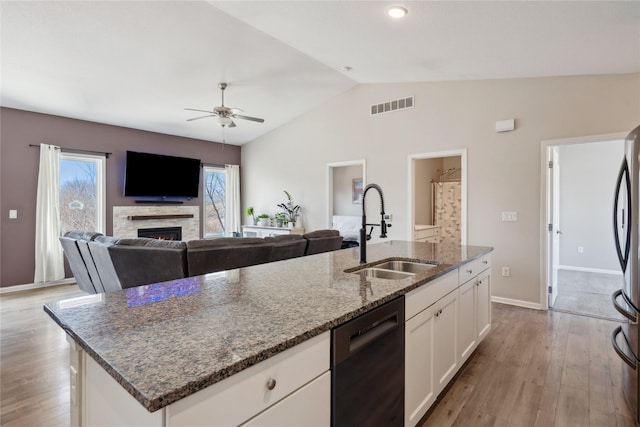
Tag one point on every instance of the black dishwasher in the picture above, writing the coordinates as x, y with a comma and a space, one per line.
367, 368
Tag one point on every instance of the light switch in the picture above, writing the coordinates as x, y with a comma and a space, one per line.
13, 213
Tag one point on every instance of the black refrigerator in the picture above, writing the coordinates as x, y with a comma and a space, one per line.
626, 337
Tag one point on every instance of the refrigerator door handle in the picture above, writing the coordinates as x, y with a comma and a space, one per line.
623, 175
632, 316
633, 363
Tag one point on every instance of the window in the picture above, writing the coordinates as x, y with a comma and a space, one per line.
215, 188
82, 192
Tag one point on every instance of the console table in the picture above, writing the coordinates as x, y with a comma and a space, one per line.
258, 231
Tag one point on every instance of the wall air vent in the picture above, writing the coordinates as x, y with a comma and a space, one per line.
388, 106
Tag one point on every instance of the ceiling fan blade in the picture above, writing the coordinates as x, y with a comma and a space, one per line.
253, 119
235, 110
202, 111
201, 117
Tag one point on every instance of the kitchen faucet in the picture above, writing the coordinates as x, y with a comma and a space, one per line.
363, 231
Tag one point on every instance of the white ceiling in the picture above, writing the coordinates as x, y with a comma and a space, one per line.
139, 64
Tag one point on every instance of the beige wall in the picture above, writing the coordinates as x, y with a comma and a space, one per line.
503, 169
342, 192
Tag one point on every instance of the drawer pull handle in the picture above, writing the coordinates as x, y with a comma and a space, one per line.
485, 262
469, 271
271, 384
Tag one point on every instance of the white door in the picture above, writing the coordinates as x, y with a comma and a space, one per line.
553, 224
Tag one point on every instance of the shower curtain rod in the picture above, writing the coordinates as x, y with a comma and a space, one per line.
77, 150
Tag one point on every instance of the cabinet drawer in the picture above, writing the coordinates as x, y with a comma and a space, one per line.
484, 263
245, 394
468, 271
427, 294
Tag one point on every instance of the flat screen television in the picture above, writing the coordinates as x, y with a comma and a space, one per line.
157, 175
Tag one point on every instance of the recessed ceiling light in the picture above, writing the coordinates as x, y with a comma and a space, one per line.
397, 11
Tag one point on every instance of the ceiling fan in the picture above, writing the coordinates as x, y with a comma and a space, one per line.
224, 115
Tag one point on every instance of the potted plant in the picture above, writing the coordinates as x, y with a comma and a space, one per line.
263, 219
292, 211
280, 219
252, 213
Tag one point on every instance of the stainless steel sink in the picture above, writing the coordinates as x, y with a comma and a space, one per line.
405, 266
379, 273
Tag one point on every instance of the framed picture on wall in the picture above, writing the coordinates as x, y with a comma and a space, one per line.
356, 190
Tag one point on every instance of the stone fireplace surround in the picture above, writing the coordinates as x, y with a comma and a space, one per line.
128, 219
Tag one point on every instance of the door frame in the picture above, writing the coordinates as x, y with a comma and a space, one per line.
462, 153
329, 195
546, 192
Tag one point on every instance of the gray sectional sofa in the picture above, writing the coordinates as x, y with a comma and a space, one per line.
104, 264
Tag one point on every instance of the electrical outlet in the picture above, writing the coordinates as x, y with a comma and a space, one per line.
505, 272
510, 216
580, 249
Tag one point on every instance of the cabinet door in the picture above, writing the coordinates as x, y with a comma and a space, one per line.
419, 384
467, 332
483, 316
445, 353
310, 406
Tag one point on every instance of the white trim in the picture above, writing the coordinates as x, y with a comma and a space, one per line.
329, 186
518, 303
462, 153
17, 288
545, 145
590, 270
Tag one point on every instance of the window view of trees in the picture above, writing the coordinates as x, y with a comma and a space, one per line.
215, 184
78, 194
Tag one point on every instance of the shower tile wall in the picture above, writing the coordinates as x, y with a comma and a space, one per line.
447, 198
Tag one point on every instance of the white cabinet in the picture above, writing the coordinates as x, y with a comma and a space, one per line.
430, 344
474, 296
241, 397
427, 233
310, 407
258, 231
446, 320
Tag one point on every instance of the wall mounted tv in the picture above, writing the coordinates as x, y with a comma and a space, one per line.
156, 175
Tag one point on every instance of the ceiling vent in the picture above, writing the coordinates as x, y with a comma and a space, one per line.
388, 106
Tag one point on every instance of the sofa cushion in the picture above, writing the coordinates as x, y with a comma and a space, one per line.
322, 241
286, 246
211, 255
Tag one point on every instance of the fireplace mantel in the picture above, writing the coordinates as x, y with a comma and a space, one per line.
149, 217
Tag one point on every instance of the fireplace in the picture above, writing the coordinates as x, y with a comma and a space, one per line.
161, 233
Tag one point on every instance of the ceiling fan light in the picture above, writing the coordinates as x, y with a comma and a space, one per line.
224, 121
397, 11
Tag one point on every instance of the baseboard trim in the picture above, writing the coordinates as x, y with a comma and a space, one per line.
590, 270
18, 288
517, 302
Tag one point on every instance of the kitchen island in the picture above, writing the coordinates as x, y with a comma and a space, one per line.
172, 344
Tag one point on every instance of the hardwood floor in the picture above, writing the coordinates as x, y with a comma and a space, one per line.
34, 360
538, 368
534, 369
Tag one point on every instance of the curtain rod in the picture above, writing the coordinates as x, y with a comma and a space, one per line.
77, 150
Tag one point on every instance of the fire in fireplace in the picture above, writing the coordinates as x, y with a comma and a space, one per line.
161, 233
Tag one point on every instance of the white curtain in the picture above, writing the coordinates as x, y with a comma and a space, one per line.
49, 255
232, 202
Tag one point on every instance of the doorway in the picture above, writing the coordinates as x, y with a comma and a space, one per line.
345, 182
580, 266
437, 191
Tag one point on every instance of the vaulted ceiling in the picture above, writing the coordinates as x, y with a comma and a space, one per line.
138, 64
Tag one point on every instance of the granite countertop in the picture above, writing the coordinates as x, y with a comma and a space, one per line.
165, 341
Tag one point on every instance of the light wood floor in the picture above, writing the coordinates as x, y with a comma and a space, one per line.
538, 368
534, 369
